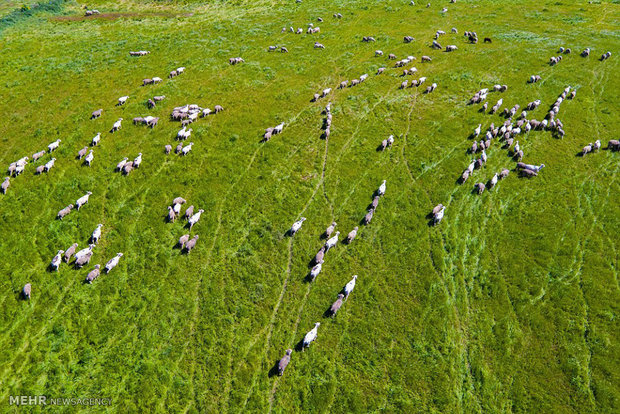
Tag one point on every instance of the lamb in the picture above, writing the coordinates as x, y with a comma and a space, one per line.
93, 274
55, 264
586, 149
137, 161
187, 149
368, 217
330, 229
94, 238
96, 114
171, 215
348, 288
121, 164
332, 242
48, 165
62, 213
113, 262
310, 336
283, 363
296, 226
392, 56
82, 153
315, 271
70, 251
82, 200
218, 108
351, 236
122, 100
26, 291
381, 189
89, 158
438, 213
194, 218
117, 125
54, 145
191, 244
597, 145
336, 305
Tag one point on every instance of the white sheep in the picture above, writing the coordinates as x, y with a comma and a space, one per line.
117, 125
48, 165
194, 218
348, 288
310, 336
84, 252
89, 158
82, 200
96, 139
96, 234
483, 156
55, 264
297, 225
137, 161
113, 262
278, 128
315, 271
54, 145
122, 100
381, 189
332, 241
477, 130
187, 149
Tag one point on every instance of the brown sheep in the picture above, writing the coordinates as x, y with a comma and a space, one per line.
128, 167
37, 155
528, 173
178, 149
189, 212
82, 153
368, 216
283, 363
190, 244
182, 240
426, 59
70, 252
351, 236
96, 114
518, 155
138, 120
613, 145
147, 82
318, 258
40, 169
93, 274
336, 305
375, 203
62, 213
504, 173
82, 260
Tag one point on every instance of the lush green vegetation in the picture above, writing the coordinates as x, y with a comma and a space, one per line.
511, 304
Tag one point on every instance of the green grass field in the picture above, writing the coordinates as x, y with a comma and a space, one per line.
510, 304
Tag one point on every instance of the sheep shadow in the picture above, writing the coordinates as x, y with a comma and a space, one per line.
580, 154
380, 148
308, 278
431, 223
299, 346
328, 313
274, 370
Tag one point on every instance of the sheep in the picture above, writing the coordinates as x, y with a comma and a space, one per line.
315, 271
351, 236
330, 229
336, 305
355, 82
374, 203
518, 155
159, 98
363, 77
26, 291
331, 242
283, 363
84, 252
194, 218
18, 170
94, 238
437, 209
93, 274
381, 189
296, 226
392, 56
310, 336
480, 187
113, 262
218, 108
69, 252
586, 149
343, 84
127, 168
283, 50
89, 158
49, 165
585, 52
368, 217
378, 53
120, 165
493, 181
318, 258
465, 175
528, 173
477, 130
182, 240
62, 213
403, 85
325, 92
37, 155
278, 128
597, 145
55, 264
122, 100
438, 215
318, 45
82, 200
451, 48
185, 150
96, 139
117, 125
96, 114
147, 81
426, 59
191, 244
54, 145
348, 288
5, 184
137, 161
408, 39
180, 69
171, 215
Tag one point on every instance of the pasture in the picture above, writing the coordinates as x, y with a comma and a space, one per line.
509, 304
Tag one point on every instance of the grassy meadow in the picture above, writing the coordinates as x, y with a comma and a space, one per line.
511, 304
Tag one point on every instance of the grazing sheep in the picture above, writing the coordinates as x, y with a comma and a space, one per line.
62, 213
296, 226
310, 336
480, 187
191, 244
375, 203
518, 155
348, 288
352, 234
94, 238
147, 82
426, 59
93, 274
218, 108
173, 74
128, 167
121, 164
37, 155
194, 218
70, 252
613, 145
159, 98
493, 181
49, 165
82, 153
138, 120
586, 149
96, 114
96, 139
83, 259
332, 242
117, 125
55, 264
465, 176
89, 158
122, 100
381, 189
586, 52
343, 84
182, 240
528, 173
315, 271
284, 361
408, 39
54, 145
336, 305
368, 217
167, 149
403, 85
438, 213
451, 48
171, 215
325, 92
137, 161
504, 173
185, 150
83, 200
487, 40
283, 49
113, 262
26, 291
85, 251
330, 229
318, 45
